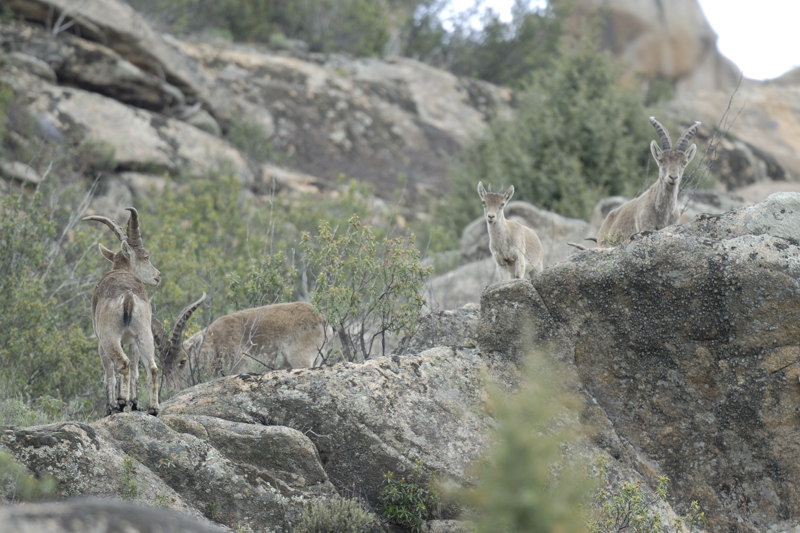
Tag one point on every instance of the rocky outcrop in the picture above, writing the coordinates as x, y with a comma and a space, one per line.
764, 117
97, 71
663, 40
686, 339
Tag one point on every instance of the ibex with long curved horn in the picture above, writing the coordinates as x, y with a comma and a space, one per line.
122, 316
657, 206
259, 339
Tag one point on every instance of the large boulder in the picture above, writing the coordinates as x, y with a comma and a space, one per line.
113, 25
376, 120
237, 474
763, 116
383, 415
687, 340
663, 40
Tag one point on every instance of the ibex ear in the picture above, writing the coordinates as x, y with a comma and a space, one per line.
509, 193
481, 190
690, 153
126, 250
108, 254
655, 149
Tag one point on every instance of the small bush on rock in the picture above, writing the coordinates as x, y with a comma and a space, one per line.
341, 515
407, 501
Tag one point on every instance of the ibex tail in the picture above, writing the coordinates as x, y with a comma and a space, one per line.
127, 308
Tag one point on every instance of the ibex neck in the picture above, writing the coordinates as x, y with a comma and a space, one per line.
665, 199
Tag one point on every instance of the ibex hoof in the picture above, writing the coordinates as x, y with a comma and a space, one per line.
112, 409
152, 411
134, 405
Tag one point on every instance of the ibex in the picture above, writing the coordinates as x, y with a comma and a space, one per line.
121, 316
284, 335
515, 247
655, 208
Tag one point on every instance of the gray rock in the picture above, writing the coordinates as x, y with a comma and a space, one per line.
365, 419
450, 327
81, 515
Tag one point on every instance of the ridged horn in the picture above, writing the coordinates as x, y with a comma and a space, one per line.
686, 136
666, 142
110, 223
183, 317
134, 233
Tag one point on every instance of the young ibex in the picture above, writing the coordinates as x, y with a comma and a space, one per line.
516, 248
284, 335
655, 208
121, 315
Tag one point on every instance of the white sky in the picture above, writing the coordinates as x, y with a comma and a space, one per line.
761, 37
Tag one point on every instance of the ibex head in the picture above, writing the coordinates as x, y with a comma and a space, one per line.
494, 202
172, 353
132, 255
673, 161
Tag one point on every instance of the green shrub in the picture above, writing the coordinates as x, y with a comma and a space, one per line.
407, 502
45, 350
367, 287
576, 136
627, 508
341, 515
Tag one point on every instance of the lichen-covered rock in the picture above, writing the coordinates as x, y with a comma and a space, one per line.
687, 339
365, 419
448, 327
83, 461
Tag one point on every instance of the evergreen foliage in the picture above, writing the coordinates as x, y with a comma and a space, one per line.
530, 481
407, 501
575, 136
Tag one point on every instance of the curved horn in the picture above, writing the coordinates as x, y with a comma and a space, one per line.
666, 142
110, 223
134, 234
177, 332
686, 136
